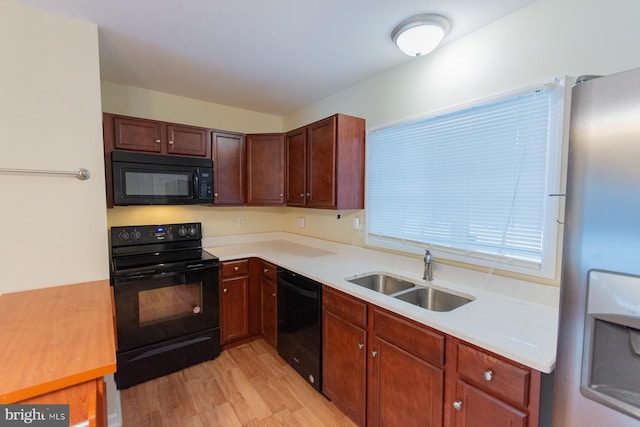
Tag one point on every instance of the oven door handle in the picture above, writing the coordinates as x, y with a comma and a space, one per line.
296, 289
153, 275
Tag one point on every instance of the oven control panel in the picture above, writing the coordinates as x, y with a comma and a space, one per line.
146, 234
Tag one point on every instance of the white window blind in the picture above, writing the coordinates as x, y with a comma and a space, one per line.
473, 182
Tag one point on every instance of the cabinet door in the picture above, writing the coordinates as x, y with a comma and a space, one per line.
474, 408
344, 349
137, 134
234, 320
296, 142
404, 390
187, 140
321, 164
269, 311
265, 169
229, 164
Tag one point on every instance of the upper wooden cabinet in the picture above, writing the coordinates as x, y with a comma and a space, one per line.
229, 164
129, 133
325, 164
265, 169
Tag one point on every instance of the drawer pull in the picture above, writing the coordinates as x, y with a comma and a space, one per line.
374, 353
457, 405
225, 290
236, 268
488, 375
360, 346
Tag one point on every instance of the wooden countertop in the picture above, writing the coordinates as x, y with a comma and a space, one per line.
54, 338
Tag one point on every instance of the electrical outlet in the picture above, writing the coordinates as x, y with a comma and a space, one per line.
240, 220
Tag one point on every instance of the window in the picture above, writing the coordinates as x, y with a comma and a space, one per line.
472, 185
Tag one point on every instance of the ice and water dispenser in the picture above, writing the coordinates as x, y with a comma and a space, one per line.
611, 356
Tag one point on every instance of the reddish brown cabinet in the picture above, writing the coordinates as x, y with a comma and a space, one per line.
265, 169
325, 164
234, 301
267, 277
344, 353
229, 164
382, 369
296, 149
490, 390
135, 134
405, 373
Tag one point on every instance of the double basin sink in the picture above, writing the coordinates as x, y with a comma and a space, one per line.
422, 296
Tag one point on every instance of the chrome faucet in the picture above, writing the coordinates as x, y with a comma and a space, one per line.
428, 266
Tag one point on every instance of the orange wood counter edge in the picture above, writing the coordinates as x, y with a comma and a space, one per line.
29, 392
51, 386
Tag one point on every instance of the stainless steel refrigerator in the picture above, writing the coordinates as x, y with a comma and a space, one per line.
597, 377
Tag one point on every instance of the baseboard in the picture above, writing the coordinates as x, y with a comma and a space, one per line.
115, 418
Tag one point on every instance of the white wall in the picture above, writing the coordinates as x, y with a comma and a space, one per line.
53, 228
547, 39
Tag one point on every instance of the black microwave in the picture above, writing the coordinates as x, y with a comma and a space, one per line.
154, 179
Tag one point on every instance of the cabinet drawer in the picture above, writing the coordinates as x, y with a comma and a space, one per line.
268, 271
494, 375
235, 268
345, 306
419, 340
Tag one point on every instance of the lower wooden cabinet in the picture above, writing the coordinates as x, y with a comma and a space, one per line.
475, 408
382, 369
490, 389
234, 301
406, 373
248, 303
345, 353
267, 277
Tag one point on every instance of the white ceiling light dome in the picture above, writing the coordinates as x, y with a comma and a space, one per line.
420, 34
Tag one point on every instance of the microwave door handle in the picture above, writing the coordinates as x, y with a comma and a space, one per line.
196, 184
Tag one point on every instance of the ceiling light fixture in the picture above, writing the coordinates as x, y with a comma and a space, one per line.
420, 34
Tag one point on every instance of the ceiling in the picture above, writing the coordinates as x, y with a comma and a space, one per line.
271, 56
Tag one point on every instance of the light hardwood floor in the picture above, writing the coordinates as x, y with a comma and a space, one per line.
248, 385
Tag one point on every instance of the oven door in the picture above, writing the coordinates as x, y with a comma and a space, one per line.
155, 308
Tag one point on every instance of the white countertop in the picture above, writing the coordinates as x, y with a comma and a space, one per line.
513, 318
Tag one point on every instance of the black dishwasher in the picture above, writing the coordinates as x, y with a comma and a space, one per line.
300, 324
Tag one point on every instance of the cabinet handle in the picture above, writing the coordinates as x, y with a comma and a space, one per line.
488, 375
360, 346
170, 142
157, 141
281, 194
266, 270
225, 290
301, 195
457, 405
215, 194
374, 353
274, 295
308, 194
236, 268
